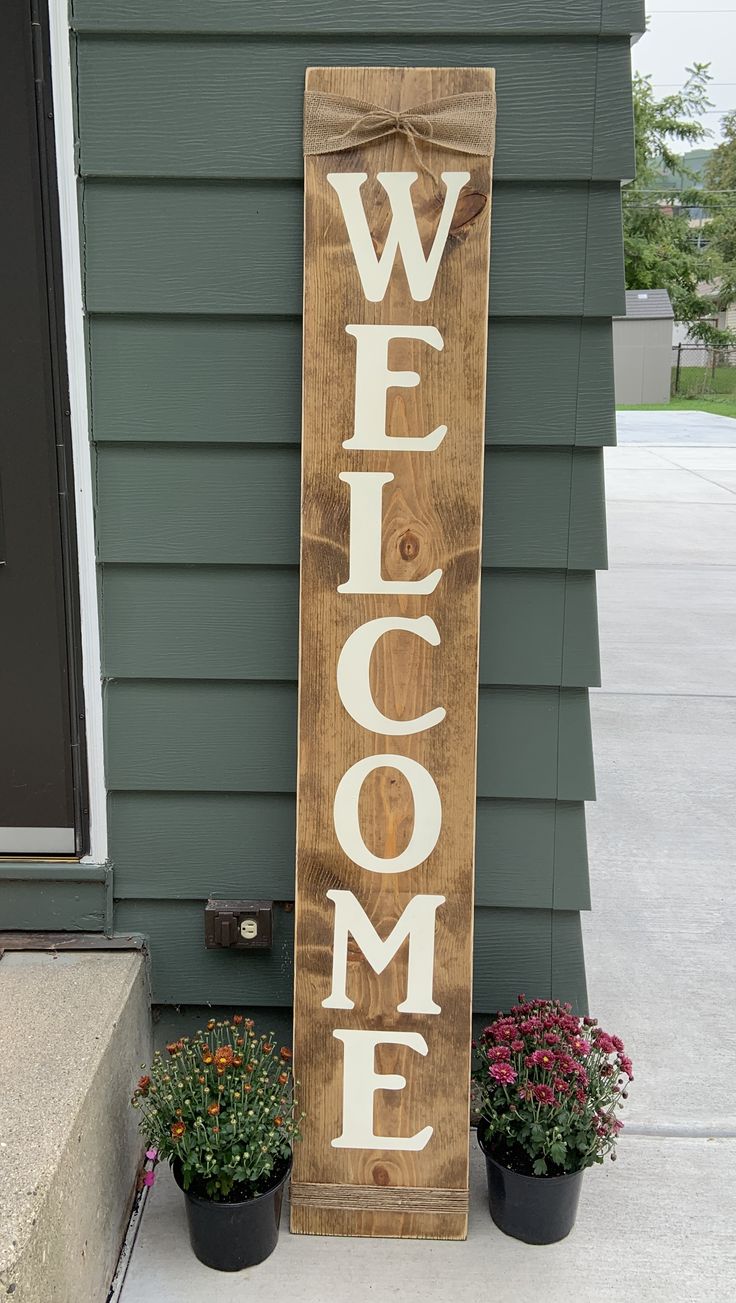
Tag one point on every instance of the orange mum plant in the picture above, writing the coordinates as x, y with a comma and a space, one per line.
221, 1106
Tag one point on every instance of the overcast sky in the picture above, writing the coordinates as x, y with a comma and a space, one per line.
683, 32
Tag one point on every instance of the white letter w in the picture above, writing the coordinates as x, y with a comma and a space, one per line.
403, 233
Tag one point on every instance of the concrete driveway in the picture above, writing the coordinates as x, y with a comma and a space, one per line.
675, 428
662, 835
657, 1224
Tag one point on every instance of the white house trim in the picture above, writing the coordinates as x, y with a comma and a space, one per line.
61, 74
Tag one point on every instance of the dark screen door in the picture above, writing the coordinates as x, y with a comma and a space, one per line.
41, 806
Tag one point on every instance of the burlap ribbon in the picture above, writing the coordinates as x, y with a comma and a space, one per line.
465, 123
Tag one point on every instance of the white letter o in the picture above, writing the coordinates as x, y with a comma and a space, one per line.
427, 814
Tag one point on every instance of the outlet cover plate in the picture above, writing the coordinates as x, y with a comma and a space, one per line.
238, 924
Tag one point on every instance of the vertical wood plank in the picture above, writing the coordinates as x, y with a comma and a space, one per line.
431, 519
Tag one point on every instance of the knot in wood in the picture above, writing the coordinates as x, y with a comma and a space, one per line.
469, 207
409, 546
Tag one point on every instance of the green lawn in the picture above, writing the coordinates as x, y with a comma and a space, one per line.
698, 380
719, 405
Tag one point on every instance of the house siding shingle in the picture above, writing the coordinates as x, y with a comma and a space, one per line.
190, 176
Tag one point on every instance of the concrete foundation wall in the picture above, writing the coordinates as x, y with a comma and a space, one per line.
75, 1029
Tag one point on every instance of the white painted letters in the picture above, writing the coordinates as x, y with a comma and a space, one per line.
374, 272
360, 1081
416, 923
353, 675
366, 525
427, 814
373, 379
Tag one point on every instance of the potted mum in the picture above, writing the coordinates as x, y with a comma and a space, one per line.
548, 1085
220, 1107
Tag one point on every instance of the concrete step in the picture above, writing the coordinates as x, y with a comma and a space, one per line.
74, 1030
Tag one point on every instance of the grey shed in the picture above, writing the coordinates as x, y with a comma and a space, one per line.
642, 348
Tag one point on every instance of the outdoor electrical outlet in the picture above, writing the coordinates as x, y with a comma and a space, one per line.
239, 924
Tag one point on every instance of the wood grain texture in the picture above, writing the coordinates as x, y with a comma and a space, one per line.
150, 247
235, 622
513, 951
376, 1198
178, 380
543, 508
188, 737
431, 518
297, 17
231, 109
186, 845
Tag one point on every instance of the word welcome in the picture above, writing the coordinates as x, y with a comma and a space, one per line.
417, 924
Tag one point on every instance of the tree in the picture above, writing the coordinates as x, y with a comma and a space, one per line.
720, 177
720, 173
660, 249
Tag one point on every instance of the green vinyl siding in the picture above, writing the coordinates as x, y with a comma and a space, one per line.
188, 109
52, 896
229, 247
515, 949
191, 204
224, 505
534, 851
205, 736
295, 18
188, 379
241, 622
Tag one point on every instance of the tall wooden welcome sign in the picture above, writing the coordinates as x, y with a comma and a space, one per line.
396, 253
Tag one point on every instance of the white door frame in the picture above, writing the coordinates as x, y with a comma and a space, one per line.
76, 352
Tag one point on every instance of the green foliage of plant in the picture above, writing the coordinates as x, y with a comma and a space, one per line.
720, 177
720, 170
661, 249
547, 1086
222, 1104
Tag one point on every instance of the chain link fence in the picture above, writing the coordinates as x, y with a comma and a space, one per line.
697, 370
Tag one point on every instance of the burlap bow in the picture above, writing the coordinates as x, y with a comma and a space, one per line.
465, 123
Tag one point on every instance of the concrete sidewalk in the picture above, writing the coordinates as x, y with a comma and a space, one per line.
675, 428
662, 835
656, 1225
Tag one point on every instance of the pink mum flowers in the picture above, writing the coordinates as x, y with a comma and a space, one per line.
543, 1059
503, 1073
544, 1094
499, 1054
570, 1077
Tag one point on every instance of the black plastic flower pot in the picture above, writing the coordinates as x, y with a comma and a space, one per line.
535, 1209
231, 1236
